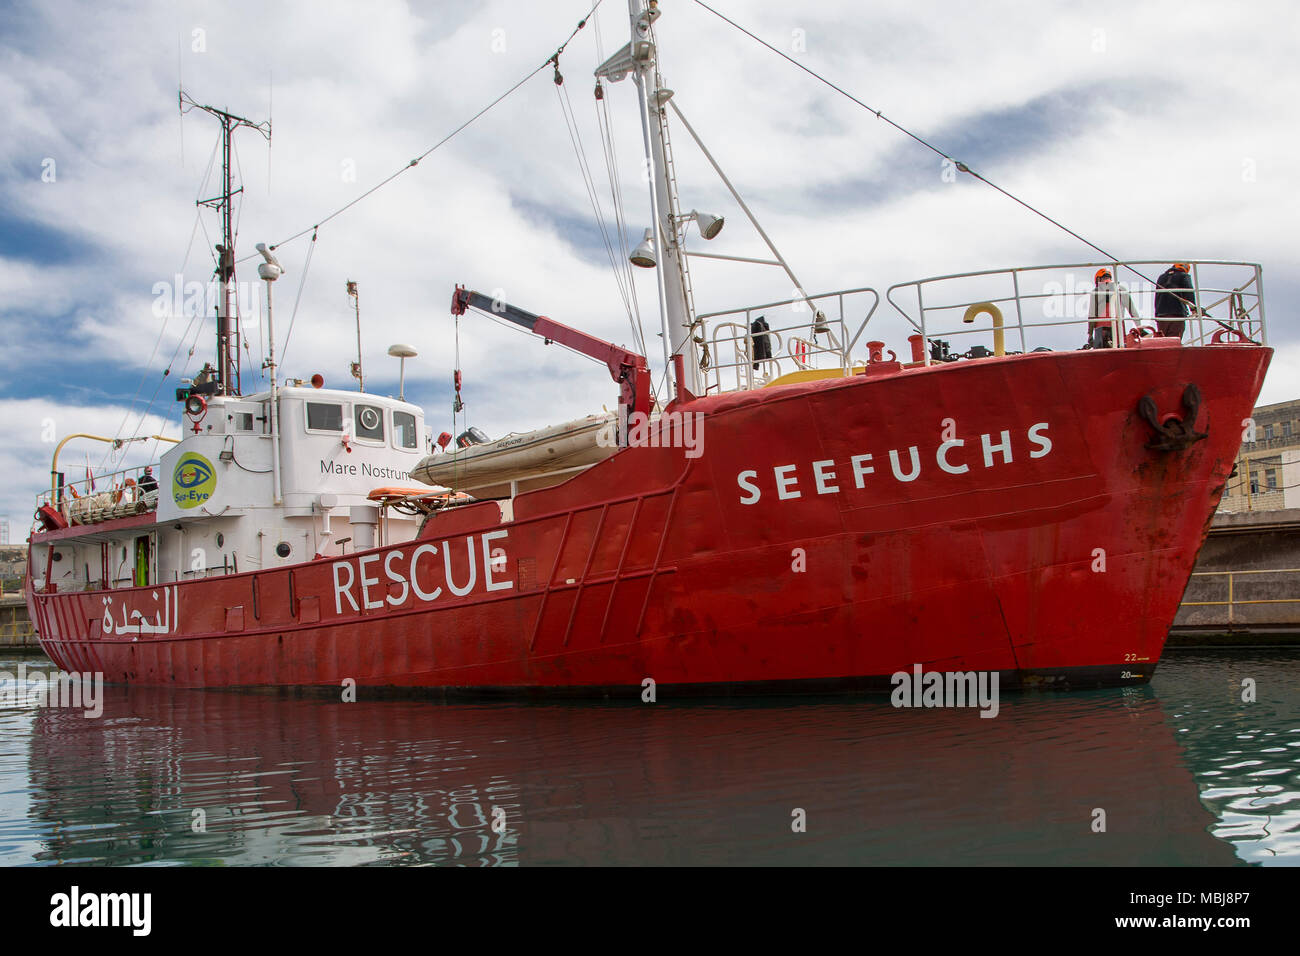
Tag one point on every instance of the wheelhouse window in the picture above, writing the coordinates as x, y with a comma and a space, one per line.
404, 433
369, 423
324, 417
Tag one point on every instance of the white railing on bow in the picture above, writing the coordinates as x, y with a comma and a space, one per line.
1048, 307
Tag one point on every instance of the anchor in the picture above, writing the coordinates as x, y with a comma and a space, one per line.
1174, 433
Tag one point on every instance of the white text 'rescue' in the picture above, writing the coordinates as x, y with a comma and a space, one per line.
357, 581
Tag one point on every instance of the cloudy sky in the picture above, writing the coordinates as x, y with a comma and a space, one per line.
1155, 129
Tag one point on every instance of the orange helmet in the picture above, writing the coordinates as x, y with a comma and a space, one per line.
1182, 267
1101, 274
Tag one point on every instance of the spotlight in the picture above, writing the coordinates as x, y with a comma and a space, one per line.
644, 254
710, 226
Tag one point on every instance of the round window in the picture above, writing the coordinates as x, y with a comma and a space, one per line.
369, 419
221, 539
283, 549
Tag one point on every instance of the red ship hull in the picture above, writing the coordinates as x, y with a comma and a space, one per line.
996, 515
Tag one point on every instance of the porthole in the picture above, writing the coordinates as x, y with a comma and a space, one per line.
283, 549
221, 539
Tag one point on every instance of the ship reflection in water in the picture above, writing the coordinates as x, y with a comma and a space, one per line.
1185, 772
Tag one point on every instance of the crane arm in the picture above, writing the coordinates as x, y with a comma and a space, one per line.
628, 369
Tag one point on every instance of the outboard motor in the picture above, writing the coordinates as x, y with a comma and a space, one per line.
471, 436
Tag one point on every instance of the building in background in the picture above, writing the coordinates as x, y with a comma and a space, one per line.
1268, 468
4, 530
13, 563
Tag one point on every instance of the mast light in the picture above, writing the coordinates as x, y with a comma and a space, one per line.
709, 226
644, 254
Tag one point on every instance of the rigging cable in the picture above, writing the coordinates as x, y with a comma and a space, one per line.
302, 281
177, 294
384, 182
604, 123
907, 132
962, 167
620, 219
589, 182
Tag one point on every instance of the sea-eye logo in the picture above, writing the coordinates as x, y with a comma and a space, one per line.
193, 481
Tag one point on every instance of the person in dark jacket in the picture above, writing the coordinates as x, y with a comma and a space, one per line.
147, 481
1175, 300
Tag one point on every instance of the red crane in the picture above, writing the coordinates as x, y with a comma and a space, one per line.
628, 369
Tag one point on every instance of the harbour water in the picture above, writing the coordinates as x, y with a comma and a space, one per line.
1179, 772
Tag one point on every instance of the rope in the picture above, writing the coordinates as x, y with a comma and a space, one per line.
589, 182
414, 162
198, 221
604, 122
302, 281
907, 132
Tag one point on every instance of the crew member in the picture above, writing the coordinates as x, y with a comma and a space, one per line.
147, 481
1108, 303
1175, 299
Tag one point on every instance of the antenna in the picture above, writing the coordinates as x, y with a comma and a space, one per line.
402, 352
269, 271
270, 115
227, 323
356, 306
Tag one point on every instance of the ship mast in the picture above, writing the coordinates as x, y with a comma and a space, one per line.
639, 58
227, 320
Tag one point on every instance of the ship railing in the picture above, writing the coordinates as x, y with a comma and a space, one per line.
1044, 308
93, 499
803, 333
